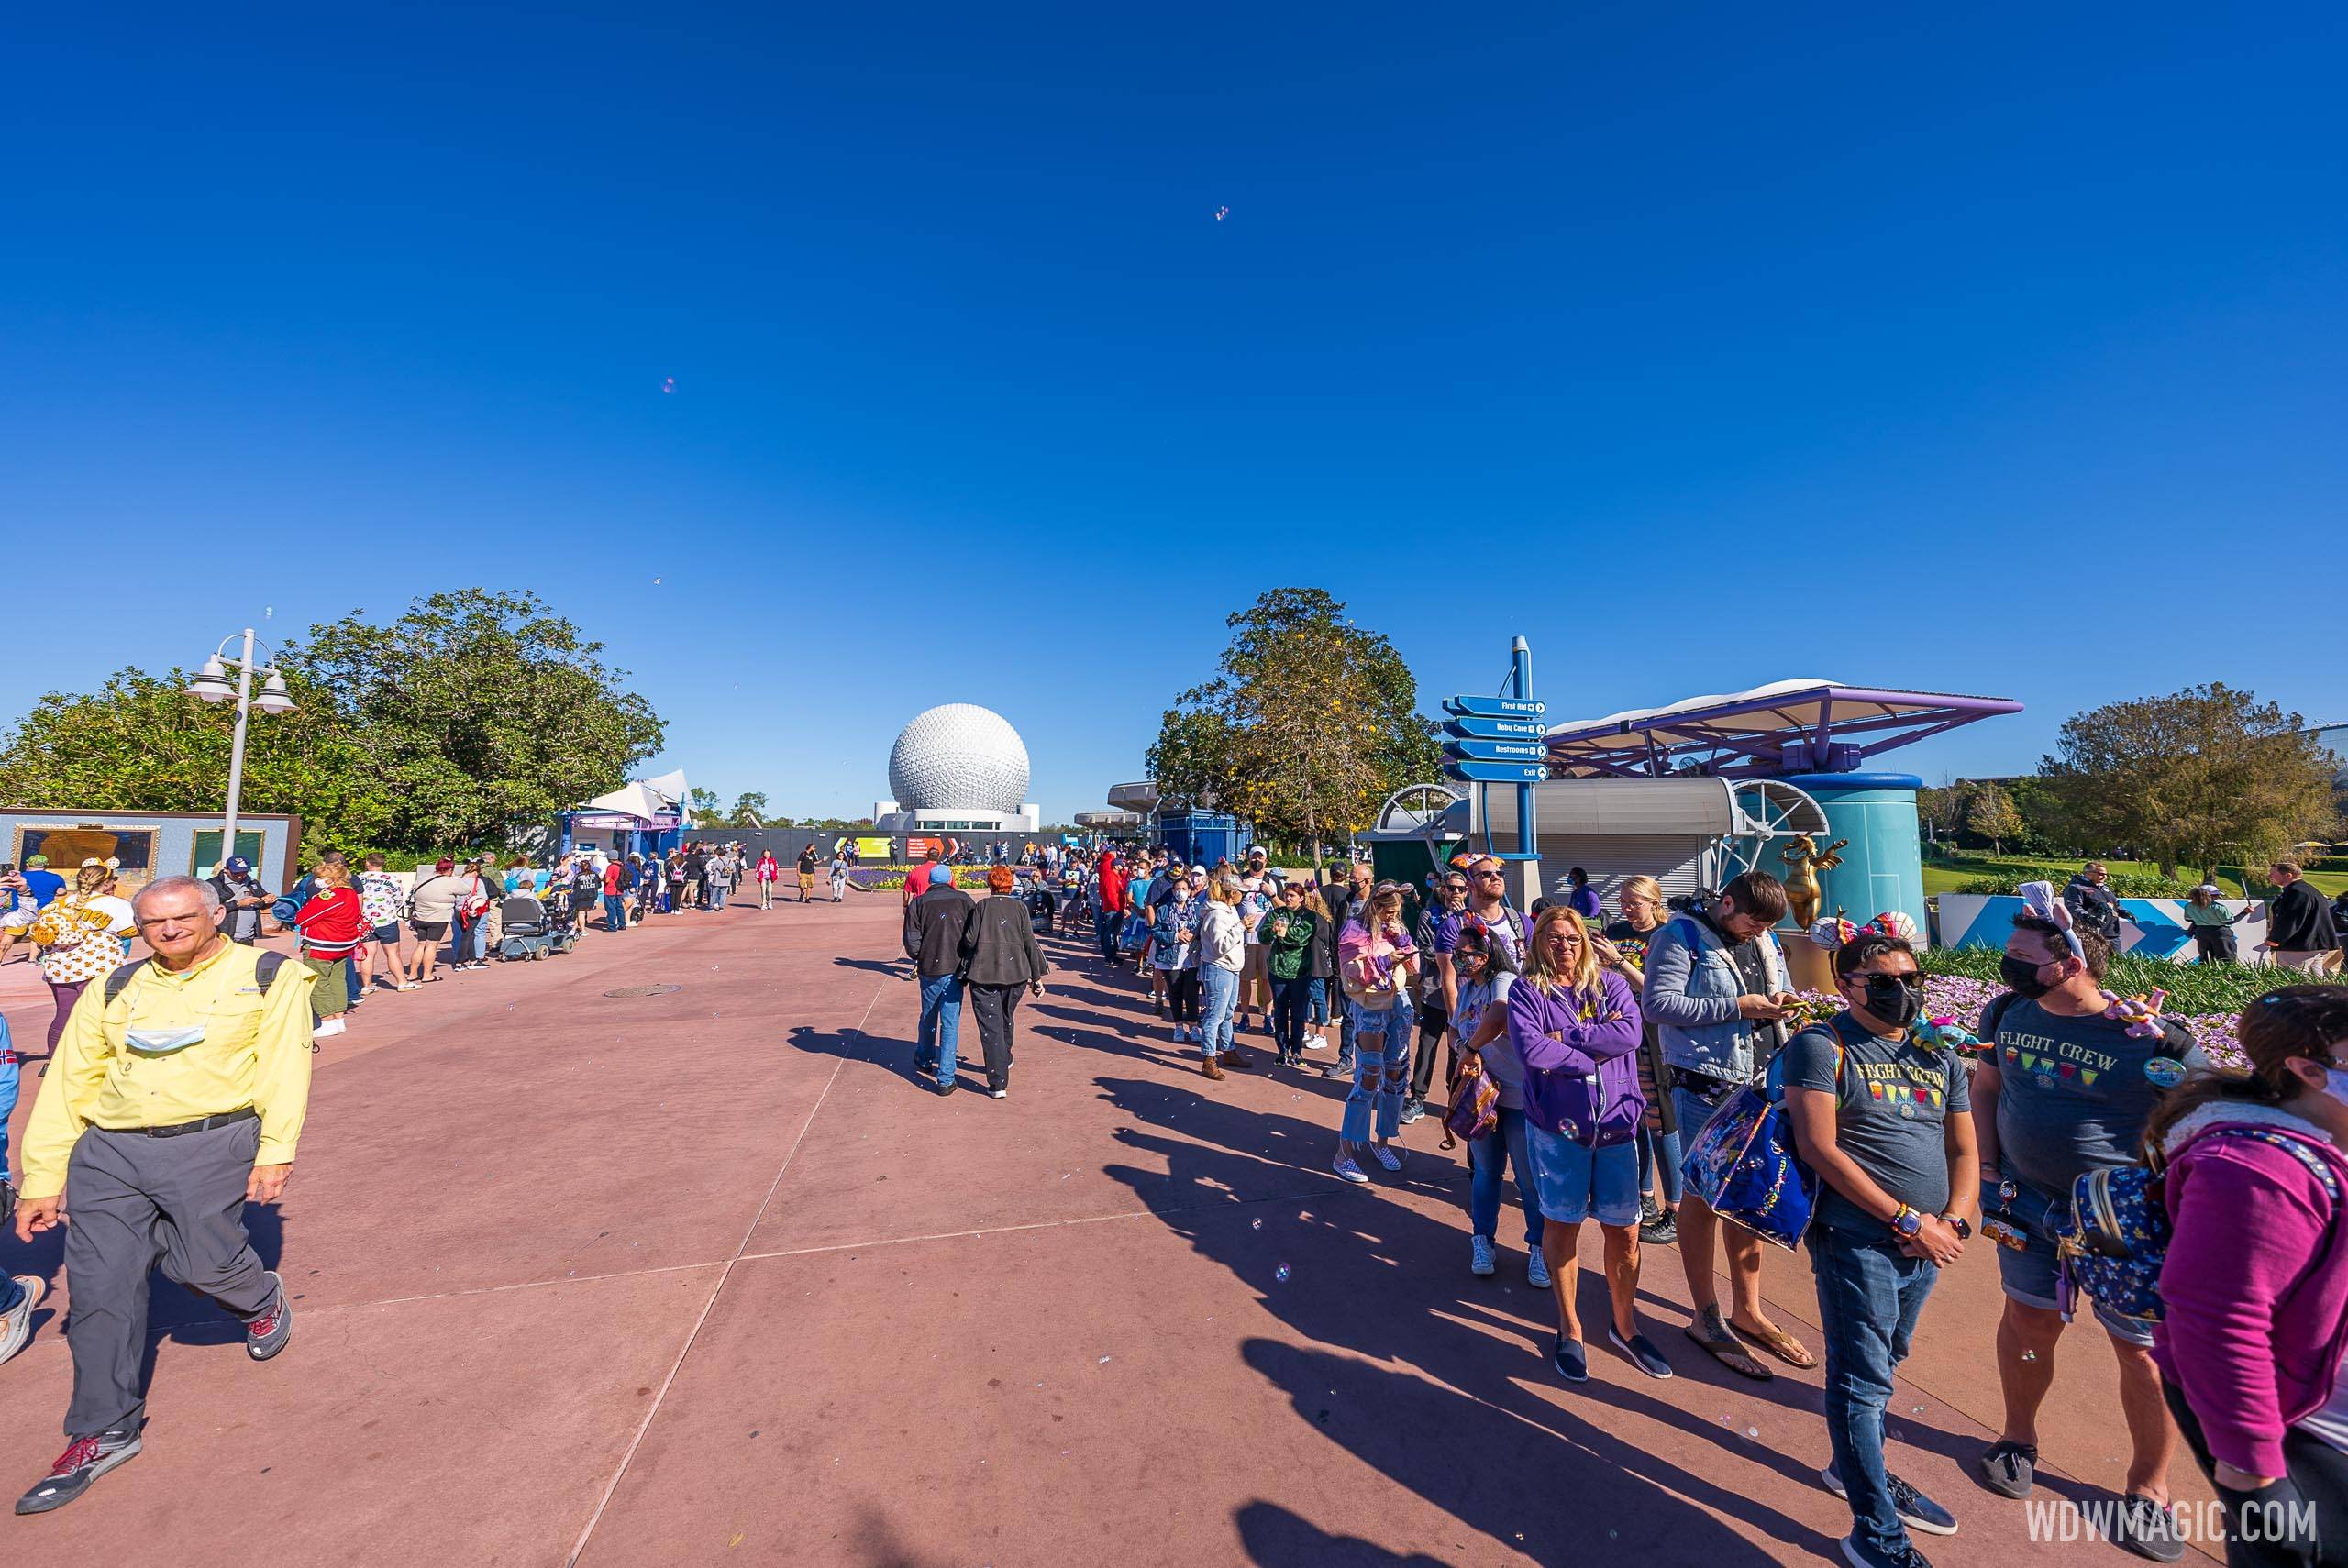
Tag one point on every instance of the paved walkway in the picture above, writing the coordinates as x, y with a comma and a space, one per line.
702, 1277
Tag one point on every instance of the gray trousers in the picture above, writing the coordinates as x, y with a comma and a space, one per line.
135, 1203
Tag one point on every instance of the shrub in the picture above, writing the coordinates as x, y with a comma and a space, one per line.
2192, 988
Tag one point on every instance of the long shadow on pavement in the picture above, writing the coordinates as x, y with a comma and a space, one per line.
1429, 1377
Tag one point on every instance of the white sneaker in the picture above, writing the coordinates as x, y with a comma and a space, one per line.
1536, 1270
1480, 1255
1316, 1042
1344, 1167
1385, 1156
325, 1027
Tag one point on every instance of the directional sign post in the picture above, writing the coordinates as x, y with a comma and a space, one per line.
1502, 740
1497, 729
1499, 772
1498, 750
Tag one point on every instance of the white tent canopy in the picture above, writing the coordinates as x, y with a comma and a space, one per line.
1726, 808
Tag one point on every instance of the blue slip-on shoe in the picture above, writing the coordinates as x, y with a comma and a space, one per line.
1571, 1360
1916, 1511
1858, 1555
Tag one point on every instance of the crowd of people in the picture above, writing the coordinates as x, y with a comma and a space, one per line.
1602, 1064
175, 1088
1588, 1057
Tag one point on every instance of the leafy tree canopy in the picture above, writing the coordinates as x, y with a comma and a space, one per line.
2200, 776
473, 712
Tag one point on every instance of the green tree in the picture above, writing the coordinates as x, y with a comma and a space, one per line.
703, 806
142, 743
749, 810
478, 710
473, 713
2198, 775
1311, 724
1992, 814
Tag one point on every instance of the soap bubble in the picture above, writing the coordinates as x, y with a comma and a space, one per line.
1255, 1225
1280, 1274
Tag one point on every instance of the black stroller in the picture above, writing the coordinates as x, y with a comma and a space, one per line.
530, 931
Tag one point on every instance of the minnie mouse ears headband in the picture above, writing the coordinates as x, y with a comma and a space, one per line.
2040, 900
1834, 931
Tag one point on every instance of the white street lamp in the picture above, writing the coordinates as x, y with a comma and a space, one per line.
211, 685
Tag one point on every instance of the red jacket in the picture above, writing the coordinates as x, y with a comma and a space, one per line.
1113, 888
331, 923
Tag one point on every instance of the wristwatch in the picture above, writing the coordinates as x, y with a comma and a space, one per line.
1907, 1222
1960, 1224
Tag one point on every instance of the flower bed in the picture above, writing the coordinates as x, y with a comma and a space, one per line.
2207, 998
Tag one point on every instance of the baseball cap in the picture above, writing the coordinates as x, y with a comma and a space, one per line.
238, 863
35, 860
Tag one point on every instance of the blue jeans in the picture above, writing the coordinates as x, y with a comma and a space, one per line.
1381, 1065
1291, 999
1659, 1164
1869, 1297
941, 1026
1105, 932
717, 892
1222, 989
615, 912
1320, 995
1488, 1158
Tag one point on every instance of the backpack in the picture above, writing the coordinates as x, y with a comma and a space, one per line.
265, 968
2117, 1238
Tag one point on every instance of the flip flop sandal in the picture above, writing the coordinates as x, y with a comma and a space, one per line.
1730, 1353
1781, 1344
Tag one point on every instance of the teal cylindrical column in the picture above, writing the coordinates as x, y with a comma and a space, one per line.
1883, 866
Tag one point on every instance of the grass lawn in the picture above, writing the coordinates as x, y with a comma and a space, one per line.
1948, 878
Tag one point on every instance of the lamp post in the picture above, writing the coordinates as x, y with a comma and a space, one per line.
211, 684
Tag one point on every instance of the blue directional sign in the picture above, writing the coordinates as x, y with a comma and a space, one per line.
1495, 707
1497, 729
1497, 751
1498, 772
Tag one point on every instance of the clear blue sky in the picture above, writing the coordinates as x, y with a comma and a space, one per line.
1983, 348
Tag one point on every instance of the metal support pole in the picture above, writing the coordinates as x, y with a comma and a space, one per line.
1525, 865
236, 749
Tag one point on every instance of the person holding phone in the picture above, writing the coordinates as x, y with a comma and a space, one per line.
1716, 988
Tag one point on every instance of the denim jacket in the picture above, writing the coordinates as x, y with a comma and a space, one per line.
1691, 994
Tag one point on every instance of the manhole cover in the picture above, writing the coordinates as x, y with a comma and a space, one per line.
644, 990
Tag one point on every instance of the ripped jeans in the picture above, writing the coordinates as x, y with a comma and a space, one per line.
1381, 1065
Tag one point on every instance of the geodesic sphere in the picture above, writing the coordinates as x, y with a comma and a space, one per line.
959, 756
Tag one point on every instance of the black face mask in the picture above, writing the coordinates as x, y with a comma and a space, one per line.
1896, 998
2021, 976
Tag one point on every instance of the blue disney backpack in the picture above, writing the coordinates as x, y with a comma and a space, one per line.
2117, 1238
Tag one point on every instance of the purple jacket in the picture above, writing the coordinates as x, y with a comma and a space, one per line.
2255, 1283
1585, 1084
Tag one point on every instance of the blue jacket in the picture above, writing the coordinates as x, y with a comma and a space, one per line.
1692, 995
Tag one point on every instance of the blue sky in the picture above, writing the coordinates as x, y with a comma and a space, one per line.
1997, 349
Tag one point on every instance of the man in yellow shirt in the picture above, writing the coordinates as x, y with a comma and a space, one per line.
175, 1098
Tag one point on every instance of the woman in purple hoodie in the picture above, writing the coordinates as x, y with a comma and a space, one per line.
1575, 1028
2254, 1288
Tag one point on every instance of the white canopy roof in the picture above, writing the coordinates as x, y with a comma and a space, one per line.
644, 798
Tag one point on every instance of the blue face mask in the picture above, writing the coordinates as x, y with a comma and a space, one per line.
2335, 1083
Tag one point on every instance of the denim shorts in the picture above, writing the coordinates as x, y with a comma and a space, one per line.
2028, 1274
1572, 1183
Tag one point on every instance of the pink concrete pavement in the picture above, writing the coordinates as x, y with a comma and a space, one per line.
704, 1277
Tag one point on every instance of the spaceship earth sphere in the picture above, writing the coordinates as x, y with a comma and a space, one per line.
959, 756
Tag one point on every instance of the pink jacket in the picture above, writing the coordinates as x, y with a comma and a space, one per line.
1369, 963
2255, 1283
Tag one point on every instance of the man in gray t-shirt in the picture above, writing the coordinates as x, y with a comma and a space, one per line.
1893, 1099
1884, 1121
